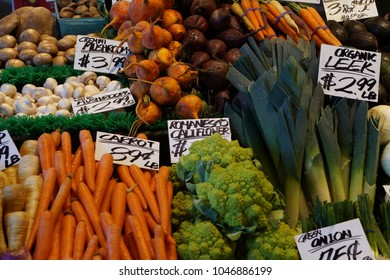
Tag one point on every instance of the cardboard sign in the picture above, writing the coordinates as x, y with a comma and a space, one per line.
100, 55
342, 10
103, 102
350, 73
128, 150
9, 153
343, 241
387, 192
182, 133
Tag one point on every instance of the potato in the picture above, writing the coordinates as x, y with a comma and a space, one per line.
65, 44
7, 54
60, 60
8, 24
49, 48
49, 38
42, 59
70, 54
27, 55
39, 18
14, 62
7, 41
71, 37
30, 35
26, 45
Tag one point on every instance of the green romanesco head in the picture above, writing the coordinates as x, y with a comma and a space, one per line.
183, 209
275, 243
239, 193
201, 240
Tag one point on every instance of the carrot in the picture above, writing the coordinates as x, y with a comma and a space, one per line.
281, 24
45, 152
66, 148
268, 31
113, 236
137, 211
143, 247
106, 203
171, 247
56, 239
303, 27
97, 257
139, 178
78, 177
92, 248
68, 228
170, 198
48, 186
61, 197
159, 243
118, 204
238, 10
142, 135
124, 250
150, 222
162, 200
77, 159
80, 240
148, 175
81, 216
44, 236
103, 176
56, 138
129, 239
250, 13
125, 176
278, 11
61, 171
88, 152
86, 200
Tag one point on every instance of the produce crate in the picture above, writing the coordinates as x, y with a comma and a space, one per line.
81, 26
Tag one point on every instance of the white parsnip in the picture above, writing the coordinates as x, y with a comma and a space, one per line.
14, 197
12, 173
16, 229
28, 165
3, 244
28, 146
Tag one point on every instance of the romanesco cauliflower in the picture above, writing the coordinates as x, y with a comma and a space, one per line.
275, 243
201, 240
183, 209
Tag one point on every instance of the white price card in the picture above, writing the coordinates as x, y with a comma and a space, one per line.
128, 150
387, 192
342, 10
103, 102
342, 241
182, 133
303, 1
9, 153
100, 55
348, 72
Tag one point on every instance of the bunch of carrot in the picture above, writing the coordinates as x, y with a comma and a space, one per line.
95, 209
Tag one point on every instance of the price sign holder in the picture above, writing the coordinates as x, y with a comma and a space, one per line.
9, 153
350, 73
100, 55
342, 10
128, 150
342, 241
182, 133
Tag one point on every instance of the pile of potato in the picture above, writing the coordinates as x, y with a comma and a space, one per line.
79, 9
33, 48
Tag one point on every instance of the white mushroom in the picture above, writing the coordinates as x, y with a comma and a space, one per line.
63, 113
25, 105
64, 90
6, 110
113, 85
78, 92
18, 95
91, 90
102, 81
50, 83
20, 114
50, 109
71, 79
88, 78
44, 100
9, 100
28, 89
41, 110
64, 103
2, 97
55, 98
38, 92
9, 89
76, 84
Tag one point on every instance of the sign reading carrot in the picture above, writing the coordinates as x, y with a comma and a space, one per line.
9, 154
342, 10
350, 73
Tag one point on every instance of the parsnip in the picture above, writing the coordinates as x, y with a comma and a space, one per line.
33, 186
4, 180
28, 147
16, 229
12, 173
28, 165
14, 197
3, 244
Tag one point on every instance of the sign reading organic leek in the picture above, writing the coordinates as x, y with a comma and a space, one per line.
100, 55
342, 241
182, 133
350, 73
342, 10
103, 102
9, 153
128, 150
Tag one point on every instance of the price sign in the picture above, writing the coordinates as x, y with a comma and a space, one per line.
100, 55
343, 241
342, 10
103, 102
350, 73
9, 153
128, 150
303, 1
387, 192
182, 133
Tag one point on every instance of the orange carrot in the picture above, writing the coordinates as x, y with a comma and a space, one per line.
250, 13
125, 176
48, 186
88, 152
61, 171
150, 222
170, 244
68, 228
281, 24
129, 239
92, 248
66, 148
106, 203
56, 240
81, 216
56, 138
159, 243
86, 200
143, 247
103, 176
61, 197
140, 179
162, 200
170, 198
44, 236
45, 152
113, 236
78, 177
125, 252
77, 159
119, 204
268, 31
97, 256
142, 135
80, 240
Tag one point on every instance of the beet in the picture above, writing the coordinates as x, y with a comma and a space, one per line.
212, 76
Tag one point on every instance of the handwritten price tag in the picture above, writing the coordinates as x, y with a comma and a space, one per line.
342, 10
9, 153
182, 133
342, 241
350, 73
103, 102
128, 150
100, 55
